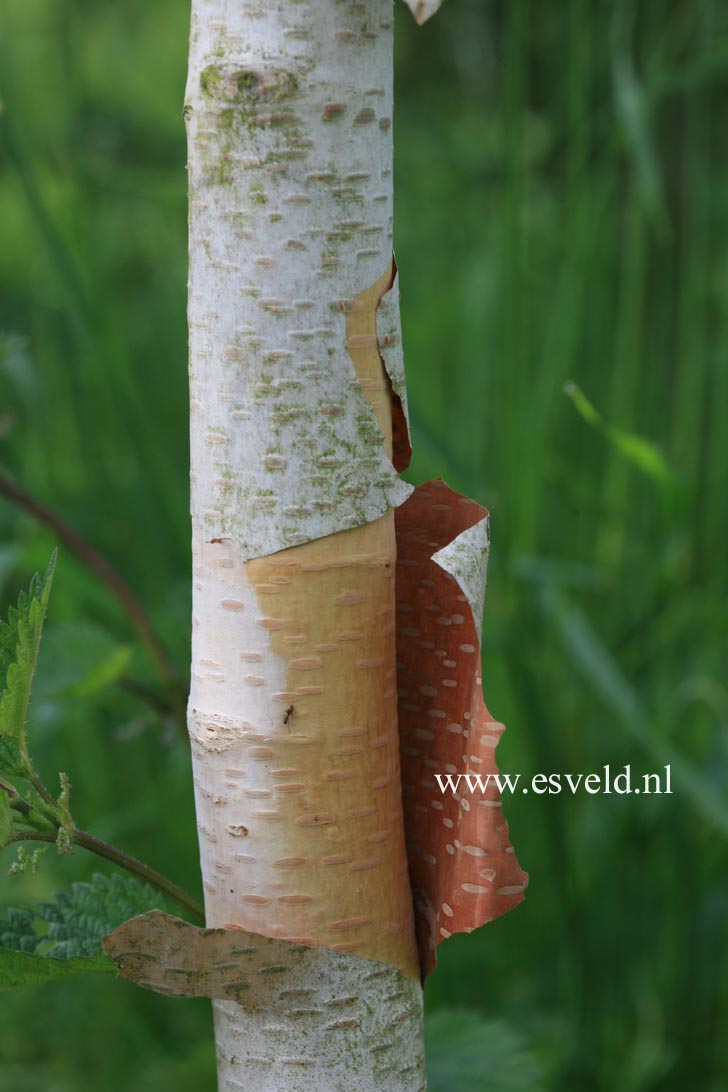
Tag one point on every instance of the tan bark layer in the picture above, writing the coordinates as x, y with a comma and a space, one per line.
304, 829
308, 840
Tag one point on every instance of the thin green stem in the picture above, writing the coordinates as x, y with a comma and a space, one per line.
123, 860
144, 872
40, 788
18, 804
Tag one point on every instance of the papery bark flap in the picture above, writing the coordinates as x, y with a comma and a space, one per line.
170, 956
462, 867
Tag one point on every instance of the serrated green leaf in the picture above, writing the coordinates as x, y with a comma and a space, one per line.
12, 761
19, 616
19, 643
23, 968
72, 925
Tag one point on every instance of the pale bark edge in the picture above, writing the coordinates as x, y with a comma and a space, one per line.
423, 9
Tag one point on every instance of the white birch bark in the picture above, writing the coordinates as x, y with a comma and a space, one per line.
293, 706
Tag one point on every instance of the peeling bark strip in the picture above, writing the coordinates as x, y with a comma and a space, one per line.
462, 866
323, 1024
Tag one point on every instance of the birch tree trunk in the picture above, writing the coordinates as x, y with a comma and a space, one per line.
292, 715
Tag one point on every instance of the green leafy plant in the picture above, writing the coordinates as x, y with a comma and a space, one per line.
72, 925
59, 937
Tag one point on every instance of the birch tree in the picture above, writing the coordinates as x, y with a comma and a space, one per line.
289, 115
293, 705
336, 610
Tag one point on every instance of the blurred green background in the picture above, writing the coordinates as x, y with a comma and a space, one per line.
562, 218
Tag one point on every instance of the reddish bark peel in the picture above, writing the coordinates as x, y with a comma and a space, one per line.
463, 869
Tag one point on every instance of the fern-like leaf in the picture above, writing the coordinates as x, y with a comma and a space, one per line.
72, 925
